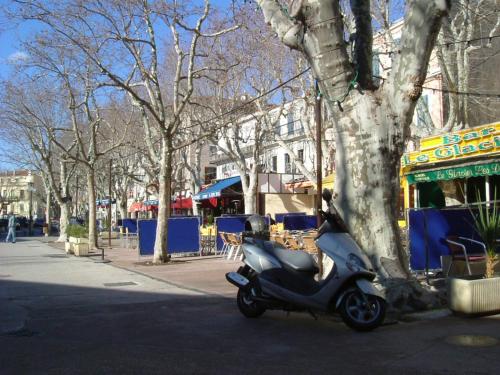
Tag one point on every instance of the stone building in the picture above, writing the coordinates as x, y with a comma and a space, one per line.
19, 190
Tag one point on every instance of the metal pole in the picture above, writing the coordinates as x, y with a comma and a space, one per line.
30, 187
109, 208
319, 176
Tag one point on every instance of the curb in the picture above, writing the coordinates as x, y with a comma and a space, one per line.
206, 293
425, 315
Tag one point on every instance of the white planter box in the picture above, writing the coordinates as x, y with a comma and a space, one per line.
75, 240
469, 296
81, 249
67, 247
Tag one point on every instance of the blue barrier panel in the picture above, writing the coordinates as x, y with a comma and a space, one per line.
428, 229
146, 236
300, 222
183, 235
131, 224
279, 217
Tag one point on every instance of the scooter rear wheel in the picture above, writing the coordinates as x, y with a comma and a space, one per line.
362, 312
247, 306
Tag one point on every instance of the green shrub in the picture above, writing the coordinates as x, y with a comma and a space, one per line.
75, 230
210, 219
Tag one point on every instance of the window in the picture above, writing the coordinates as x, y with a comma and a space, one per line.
21, 207
275, 164
213, 150
376, 68
21, 194
210, 174
288, 165
300, 155
290, 124
277, 129
422, 110
300, 127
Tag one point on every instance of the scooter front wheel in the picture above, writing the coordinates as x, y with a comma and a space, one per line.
362, 312
247, 306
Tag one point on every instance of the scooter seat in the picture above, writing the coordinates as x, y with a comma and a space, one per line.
297, 260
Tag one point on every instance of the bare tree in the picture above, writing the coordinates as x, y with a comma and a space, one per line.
34, 114
464, 56
103, 30
373, 121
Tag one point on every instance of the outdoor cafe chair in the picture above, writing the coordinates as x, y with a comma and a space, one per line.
280, 240
234, 241
225, 243
293, 243
458, 252
309, 245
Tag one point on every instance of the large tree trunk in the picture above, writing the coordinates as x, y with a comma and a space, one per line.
373, 122
164, 201
48, 198
249, 187
122, 205
367, 184
92, 208
63, 222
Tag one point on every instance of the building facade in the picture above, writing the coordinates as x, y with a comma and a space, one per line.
21, 190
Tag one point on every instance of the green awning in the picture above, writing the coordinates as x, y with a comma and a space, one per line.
488, 169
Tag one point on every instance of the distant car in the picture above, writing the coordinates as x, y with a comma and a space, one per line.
39, 222
76, 220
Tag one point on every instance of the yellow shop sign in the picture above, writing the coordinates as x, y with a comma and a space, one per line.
483, 140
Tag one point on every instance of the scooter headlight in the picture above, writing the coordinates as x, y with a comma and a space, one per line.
355, 263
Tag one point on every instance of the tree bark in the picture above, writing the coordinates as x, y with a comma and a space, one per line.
372, 123
48, 210
63, 222
122, 206
164, 202
92, 208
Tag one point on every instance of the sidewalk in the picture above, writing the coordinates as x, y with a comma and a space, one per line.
203, 274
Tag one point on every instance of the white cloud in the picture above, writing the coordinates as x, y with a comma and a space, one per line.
16, 57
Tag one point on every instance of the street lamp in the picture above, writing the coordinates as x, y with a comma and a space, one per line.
31, 189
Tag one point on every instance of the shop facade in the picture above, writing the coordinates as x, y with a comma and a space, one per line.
453, 169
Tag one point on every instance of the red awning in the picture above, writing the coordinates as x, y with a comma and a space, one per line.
136, 206
182, 203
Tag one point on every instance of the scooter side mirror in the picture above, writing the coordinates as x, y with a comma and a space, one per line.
327, 195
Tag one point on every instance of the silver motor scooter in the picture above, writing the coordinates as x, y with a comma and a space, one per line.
276, 278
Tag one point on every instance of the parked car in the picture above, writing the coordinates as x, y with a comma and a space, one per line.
76, 220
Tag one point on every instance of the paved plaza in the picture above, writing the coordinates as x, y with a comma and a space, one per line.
63, 314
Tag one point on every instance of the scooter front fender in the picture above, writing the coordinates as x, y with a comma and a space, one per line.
366, 286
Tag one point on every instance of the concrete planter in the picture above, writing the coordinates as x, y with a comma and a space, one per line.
81, 249
473, 295
68, 248
79, 245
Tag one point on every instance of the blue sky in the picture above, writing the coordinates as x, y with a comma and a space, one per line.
11, 36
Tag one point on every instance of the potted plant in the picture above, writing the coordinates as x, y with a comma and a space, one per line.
480, 294
78, 238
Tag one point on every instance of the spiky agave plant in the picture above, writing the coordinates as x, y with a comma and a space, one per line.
487, 224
